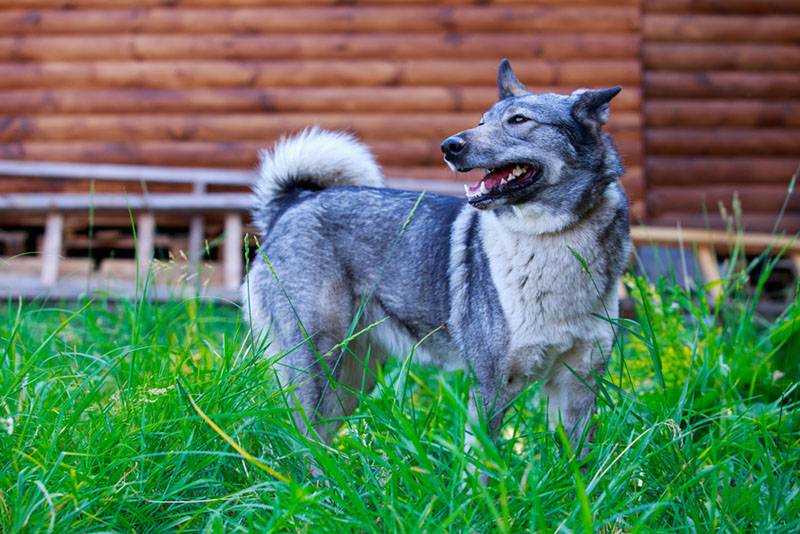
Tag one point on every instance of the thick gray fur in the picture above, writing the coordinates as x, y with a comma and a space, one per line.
498, 281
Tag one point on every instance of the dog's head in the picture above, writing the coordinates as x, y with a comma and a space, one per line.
541, 149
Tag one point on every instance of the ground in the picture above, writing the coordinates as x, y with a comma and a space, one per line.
144, 416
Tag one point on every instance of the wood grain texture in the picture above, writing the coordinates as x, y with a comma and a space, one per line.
293, 19
736, 171
186, 74
209, 82
235, 127
727, 28
318, 46
272, 99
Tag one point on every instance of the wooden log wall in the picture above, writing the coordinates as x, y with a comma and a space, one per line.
208, 82
722, 110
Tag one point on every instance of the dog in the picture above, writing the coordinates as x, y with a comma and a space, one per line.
515, 283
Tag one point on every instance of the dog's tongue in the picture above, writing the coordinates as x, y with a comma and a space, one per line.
491, 180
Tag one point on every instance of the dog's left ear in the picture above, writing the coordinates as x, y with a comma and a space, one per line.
507, 83
591, 105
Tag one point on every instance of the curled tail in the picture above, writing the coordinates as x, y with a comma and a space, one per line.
312, 160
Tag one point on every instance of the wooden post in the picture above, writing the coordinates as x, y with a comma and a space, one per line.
232, 254
622, 291
796, 263
51, 248
710, 269
196, 233
145, 241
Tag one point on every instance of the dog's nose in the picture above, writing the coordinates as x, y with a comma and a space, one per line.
453, 145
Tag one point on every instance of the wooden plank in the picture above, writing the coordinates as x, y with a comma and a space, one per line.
718, 85
233, 253
408, 19
242, 127
414, 72
728, 56
751, 222
44, 202
738, 113
710, 270
72, 4
19, 266
722, 240
752, 198
145, 241
51, 247
232, 154
690, 171
27, 288
721, 28
318, 46
728, 141
272, 99
124, 172
724, 7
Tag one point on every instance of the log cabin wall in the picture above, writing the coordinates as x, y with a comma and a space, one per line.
722, 110
208, 82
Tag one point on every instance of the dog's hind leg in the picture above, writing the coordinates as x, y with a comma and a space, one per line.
323, 381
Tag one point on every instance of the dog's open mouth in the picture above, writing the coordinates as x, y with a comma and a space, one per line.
498, 182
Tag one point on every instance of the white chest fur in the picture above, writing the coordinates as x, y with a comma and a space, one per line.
550, 285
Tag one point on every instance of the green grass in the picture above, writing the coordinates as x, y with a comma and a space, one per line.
113, 407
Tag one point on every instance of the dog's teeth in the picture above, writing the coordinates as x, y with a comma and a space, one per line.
466, 189
504, 181
483, 189
511, 176
518, 171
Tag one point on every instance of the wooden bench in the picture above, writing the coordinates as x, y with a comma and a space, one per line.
233, 206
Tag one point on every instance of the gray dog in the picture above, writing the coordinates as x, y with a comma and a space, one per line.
508, 284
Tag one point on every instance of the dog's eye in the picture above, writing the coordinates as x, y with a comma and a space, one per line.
518, 119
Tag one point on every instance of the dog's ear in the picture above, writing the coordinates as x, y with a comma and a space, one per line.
507, 83
591, 105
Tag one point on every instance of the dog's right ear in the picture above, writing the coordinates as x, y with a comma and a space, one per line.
507, 83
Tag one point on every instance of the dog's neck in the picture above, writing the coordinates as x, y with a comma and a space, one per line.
536, 219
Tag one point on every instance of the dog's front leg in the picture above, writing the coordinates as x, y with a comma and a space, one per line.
572, 392
489, 399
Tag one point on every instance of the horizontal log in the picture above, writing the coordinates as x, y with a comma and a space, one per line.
722, 84
242, 127
722, 142
178, 180
758, 198
428, 177
663, 170
72, 4
722, 113
722, 7
755, 222
279, 99
724, 28
317, 46
323, 19
701, 236
124, 173
226, 153
188, 203
728, 56
186, 74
